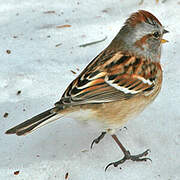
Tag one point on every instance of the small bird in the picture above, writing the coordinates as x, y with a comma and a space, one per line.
115, 86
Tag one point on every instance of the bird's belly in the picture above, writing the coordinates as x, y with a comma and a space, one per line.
87, 117
82, 115
109, 116
114, 115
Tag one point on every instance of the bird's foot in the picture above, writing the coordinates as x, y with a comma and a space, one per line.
98, 139
128, 156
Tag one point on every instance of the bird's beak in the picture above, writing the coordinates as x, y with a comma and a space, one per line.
164, 40
165, 31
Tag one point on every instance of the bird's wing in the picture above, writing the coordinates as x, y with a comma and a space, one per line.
111, 77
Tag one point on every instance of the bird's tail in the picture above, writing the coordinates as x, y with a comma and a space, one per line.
34, 123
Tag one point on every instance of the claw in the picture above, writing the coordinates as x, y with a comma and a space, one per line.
94, 141
142, 159
110, 164
128, 156
145, 159
145, 153
115, 164
98, 139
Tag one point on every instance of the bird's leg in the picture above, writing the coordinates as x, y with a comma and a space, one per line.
127, 155
98, 139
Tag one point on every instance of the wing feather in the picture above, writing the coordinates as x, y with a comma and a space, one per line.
111, 76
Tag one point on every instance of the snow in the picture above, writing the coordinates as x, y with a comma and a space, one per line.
42, 72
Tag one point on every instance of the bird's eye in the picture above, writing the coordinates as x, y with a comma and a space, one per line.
156, 34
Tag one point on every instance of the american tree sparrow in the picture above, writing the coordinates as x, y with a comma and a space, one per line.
116, 85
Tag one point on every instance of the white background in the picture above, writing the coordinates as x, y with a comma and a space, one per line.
42, 72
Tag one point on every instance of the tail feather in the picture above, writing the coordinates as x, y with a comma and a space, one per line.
34, 123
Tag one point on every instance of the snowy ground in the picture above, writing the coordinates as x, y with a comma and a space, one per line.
39, 64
